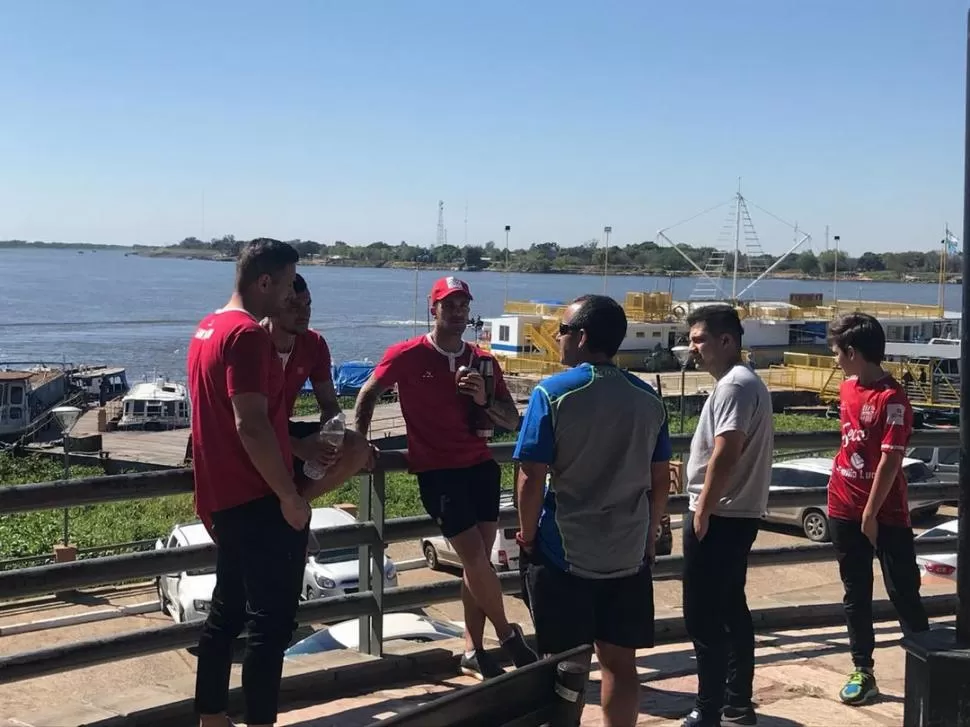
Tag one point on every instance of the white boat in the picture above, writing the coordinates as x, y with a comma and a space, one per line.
159, 404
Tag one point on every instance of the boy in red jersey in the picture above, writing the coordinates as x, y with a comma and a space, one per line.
458, 478
244, 489
867, 504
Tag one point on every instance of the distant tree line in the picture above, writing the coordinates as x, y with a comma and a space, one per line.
639, 258
645, 258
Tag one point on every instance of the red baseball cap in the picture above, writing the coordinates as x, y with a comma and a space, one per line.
443, 287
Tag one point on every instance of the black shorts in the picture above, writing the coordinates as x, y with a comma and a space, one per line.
569, 611
459, 499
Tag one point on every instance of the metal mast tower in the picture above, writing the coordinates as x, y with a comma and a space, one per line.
737, 228
442, 237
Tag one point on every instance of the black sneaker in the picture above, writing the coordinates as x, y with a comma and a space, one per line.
738, 715
516, 647
694, 719
480, 665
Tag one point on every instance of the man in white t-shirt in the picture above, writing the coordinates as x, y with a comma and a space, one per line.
728, 477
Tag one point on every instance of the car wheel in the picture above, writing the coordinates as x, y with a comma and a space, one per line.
816, 526
309, 594
178, 616
431, 556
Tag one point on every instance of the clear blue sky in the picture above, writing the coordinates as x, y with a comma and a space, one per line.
349, 120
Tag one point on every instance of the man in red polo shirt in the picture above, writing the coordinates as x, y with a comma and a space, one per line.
244, 489
458, 478
305, 356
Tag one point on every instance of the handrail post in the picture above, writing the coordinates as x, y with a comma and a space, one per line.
371, 561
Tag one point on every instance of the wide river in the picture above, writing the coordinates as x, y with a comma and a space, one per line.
138, 312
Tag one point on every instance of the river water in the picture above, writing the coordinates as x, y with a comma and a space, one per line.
138, 312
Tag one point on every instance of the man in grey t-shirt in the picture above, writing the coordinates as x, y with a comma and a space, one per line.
728, 476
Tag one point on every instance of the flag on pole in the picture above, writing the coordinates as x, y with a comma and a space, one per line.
951, 242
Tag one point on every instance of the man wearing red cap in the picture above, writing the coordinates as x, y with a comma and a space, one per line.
442, 392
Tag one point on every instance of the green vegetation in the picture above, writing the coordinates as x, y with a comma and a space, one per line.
7, 244
641, 258
96, 525
35, 533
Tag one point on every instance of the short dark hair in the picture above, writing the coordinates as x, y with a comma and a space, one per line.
863, 333
719, 319
263, 256
603, 320
299, 284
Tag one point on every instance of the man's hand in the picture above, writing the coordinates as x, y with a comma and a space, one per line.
870, 528
311, 449
702, 521
473, 384
296, 510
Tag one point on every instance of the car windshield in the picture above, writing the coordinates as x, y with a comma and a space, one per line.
445, 628
320, 641
917, 472
200, 572
336, 555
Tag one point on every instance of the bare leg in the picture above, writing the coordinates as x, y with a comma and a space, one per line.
480, 579
474, 615
620, 686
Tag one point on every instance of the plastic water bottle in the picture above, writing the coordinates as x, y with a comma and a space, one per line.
331, 434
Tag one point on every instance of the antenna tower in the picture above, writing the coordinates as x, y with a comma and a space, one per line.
442, 237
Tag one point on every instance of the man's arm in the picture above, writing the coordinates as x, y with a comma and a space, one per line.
727, 451
535, 452
321, 378
530, 489
384, 377
504, 412
248, 358
259, 440
659, 484
882, 483
367, 399
326, 397
898, 425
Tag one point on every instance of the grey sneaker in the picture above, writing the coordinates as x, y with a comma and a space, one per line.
517, 647
480, 665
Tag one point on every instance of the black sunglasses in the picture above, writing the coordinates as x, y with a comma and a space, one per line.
566, 328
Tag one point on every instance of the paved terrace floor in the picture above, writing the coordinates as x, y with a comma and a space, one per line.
797, 680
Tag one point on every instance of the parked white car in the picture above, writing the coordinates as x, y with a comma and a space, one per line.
406, 626
812, 473
335, 571
437, 549
187, 595
938, 459
942, 565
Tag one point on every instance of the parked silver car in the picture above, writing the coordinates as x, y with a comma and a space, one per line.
812, 473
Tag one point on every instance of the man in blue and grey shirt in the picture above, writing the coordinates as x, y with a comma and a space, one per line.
587, 532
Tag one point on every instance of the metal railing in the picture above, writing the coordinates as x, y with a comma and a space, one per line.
369, 534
